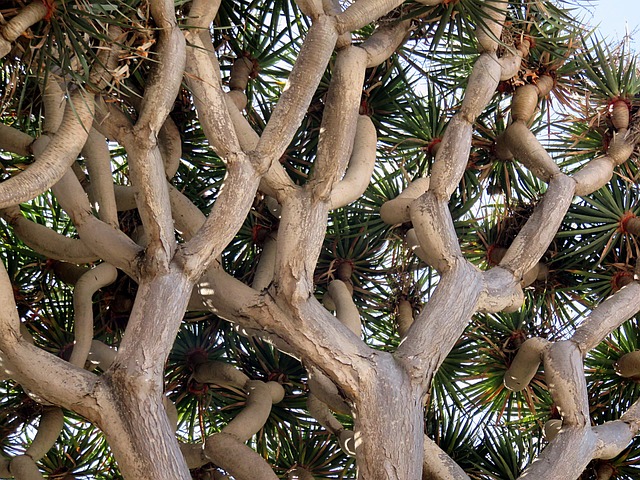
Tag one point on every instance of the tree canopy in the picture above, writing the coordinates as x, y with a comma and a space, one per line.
317, 239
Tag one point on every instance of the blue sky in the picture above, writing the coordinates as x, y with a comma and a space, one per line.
613, 15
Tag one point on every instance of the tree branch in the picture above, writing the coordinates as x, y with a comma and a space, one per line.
46, 241
608, 316
453, 155
357, 15
29, 15
14, 141
536, 235
435, 231
441, 322
209, 99
385, 41
577, 443
96, 153
438, 465
276, 182
598, 172
339, 119
105, 241
227, 216
298, 92
361, 166
56, 158
94, 279
45, 375
164, 81
313, 334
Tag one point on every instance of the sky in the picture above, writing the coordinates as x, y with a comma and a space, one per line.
616, 17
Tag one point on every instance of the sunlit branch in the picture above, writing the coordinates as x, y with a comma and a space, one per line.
298, 92
361, 165
384, 42
608, 316
339, 119
435, 231
442, 320
541, 227
359, 14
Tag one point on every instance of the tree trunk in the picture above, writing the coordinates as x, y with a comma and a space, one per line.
134, 419
139, 433
389, 423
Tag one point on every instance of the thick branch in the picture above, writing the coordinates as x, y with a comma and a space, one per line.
442, 320
276, 182
608, 316
536, 235
300, 235
237, 458
381, 418
525, 365
359, 14
576, 443
502, 291
346, 310
298, 92
164, 81
146, 169
315, 336
146, 165
46, 241
339, 119
527, 149
227, 216
105, 241
597, 173
361, 165
397, 210
435, 231
96, 153
453, 155
384, 42
57, 156
437, 465
564, 372
153, 324
51, 423
266, 265
14, 141
209, 99
489, 32
29, 15
202, 13
42, 373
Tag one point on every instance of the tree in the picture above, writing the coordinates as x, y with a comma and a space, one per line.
404, 236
